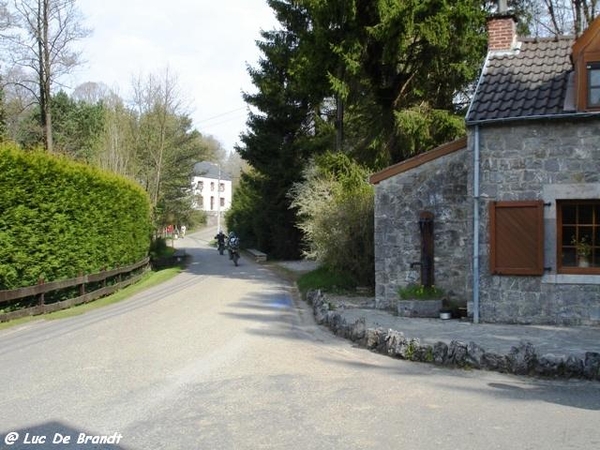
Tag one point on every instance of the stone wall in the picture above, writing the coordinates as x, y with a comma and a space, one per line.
523, 359
440, 186
531, 161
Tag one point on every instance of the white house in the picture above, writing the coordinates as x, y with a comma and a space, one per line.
211, 187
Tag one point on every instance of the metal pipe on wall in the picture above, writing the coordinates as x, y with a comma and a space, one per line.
476, 225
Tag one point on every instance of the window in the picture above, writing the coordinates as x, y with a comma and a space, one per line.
578, 231
222, 200
200, 185
517, 238
221, 187
212, 203
593, 73
212, 186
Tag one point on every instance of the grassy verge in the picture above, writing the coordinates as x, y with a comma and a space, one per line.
283, 272
327, 281
148, 280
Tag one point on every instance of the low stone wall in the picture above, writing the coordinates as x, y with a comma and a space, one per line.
521, 360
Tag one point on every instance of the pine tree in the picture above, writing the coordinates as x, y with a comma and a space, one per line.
376, 79
281, 132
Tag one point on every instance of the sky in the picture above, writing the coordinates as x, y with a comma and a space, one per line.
205, 44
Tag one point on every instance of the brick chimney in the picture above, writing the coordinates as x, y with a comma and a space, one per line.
502, 29
502, 32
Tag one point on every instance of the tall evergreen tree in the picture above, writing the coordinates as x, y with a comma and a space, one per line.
406, 63
78, 126
377, 79
280, 134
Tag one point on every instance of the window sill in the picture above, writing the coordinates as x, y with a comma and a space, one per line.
570, 279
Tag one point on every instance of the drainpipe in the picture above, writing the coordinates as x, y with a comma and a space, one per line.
476, 225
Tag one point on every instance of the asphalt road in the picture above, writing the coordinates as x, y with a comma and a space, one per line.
224, 357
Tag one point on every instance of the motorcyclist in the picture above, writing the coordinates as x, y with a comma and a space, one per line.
220, 237
232, 244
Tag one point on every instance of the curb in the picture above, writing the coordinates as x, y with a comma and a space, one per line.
520, 360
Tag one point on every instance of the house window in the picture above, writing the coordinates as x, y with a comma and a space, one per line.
212, 186
212, 203
221, 187
578, 236
222, 200
593, 71
517, 238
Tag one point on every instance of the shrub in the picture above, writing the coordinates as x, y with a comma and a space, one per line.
335, 209
158, 247
261, 217
59, 218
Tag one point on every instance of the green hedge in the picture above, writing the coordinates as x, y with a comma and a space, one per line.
59, 218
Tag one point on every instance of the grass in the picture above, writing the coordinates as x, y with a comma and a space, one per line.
420, 292
148, 280
326, 280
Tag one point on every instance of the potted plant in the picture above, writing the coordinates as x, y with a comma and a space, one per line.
583, 249
416, 300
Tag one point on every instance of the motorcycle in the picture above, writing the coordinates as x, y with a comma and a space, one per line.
220, 238
234, 250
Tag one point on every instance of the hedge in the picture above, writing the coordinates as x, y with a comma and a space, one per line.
59, 218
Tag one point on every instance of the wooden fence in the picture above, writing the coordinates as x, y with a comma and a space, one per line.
81, 281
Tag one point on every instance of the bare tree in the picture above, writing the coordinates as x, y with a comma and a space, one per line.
39, 40
586, 11
118, 151
560, 17
92, 92
157, 100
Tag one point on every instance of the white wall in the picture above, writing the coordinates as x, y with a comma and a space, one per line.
207, 189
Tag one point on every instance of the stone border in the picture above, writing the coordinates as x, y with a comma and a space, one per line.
520, 360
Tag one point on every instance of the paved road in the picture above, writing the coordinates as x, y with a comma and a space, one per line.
223, 358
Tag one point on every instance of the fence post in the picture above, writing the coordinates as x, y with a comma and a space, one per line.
40, 282
81, 286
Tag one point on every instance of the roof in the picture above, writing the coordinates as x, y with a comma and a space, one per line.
207, 169
420, 159
528, 82
588, 37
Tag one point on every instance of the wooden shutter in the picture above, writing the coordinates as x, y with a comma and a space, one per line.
517, 238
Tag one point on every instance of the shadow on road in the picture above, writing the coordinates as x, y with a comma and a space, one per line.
274, 312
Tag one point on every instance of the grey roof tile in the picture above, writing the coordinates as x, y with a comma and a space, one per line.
208, 169
530, 81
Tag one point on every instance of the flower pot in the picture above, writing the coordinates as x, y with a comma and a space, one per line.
419, 308
445, 315
583, 261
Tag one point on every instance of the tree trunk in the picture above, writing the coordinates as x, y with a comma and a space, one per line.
46, 79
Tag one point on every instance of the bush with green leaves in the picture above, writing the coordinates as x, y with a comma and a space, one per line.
59, 218
335, 209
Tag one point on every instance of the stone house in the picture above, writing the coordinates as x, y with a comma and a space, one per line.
515, 206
